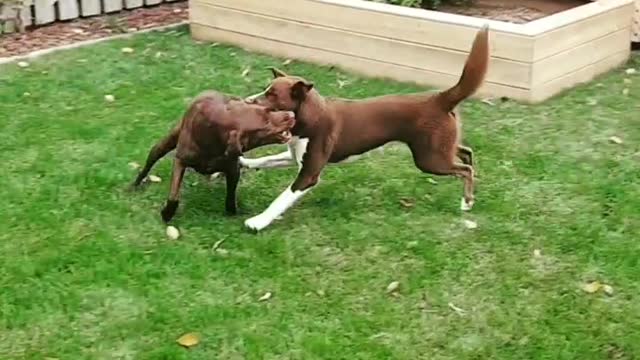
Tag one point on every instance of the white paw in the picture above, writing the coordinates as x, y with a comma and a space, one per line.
244, 162
466, 206
257, 223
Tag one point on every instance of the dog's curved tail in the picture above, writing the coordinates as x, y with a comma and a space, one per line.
473, 73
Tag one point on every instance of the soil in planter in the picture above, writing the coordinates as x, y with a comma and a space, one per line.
513, 11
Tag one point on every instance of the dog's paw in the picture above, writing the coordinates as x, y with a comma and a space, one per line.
466, 205
169, 210
244, 162
257, 223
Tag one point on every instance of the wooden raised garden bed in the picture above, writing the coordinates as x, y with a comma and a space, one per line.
530, 62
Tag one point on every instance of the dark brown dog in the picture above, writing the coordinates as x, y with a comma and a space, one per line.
331, 130
211, 136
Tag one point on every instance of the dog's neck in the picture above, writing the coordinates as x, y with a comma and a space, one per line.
311, 109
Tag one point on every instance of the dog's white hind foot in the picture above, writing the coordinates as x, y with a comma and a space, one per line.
466, 205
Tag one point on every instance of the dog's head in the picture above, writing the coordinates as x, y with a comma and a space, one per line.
257, 126
283, 93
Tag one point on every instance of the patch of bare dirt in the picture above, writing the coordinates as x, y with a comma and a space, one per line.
63, 33
513, 11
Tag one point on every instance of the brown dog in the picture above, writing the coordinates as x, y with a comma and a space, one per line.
211, 136
331, 130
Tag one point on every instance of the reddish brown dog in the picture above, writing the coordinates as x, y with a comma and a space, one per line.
331, 130
211, 136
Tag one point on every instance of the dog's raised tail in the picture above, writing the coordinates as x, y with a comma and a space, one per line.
473, 73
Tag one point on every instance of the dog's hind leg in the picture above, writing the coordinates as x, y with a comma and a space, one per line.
171, 206
159, 150
465, 154
441, 163
232, 175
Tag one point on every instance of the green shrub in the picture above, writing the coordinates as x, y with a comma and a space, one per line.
425, 4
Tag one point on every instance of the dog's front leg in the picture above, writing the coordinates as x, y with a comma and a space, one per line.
282, 159
314, 161
171, 206
297, 149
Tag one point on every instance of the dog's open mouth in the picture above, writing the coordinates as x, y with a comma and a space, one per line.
284, 137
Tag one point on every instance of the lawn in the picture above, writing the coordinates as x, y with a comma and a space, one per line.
87, 271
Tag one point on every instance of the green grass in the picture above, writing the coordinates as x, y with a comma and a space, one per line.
86, 271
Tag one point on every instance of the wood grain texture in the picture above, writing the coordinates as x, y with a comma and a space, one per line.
505, 45
363, 66
583, 75
579, 57
435, 59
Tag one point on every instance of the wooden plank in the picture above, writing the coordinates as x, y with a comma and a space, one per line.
90, 7
109, 6
132, 4
67, 9
635, 27
152, 2
362, 66
505, 72
27, 14
437, 29
8, 14
577, 58
44, 11
578, 33
549, 89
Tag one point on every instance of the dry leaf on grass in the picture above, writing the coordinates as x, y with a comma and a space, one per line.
188, 340
154, 178
26, 93
126, 50
592, 102
630, 71
342, 83
393, 287
412, 244
625, 92
470, 224
217, 244
265, 297
286, 62
488, 101
591, 287
432, 181
458, 310
608, 289
407, 203
109, 98
537, 253
134, 165
615, 140
172, 232
246, 72
23, 64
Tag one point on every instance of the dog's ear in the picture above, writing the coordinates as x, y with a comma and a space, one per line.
277, 72
234, 146
300, 89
